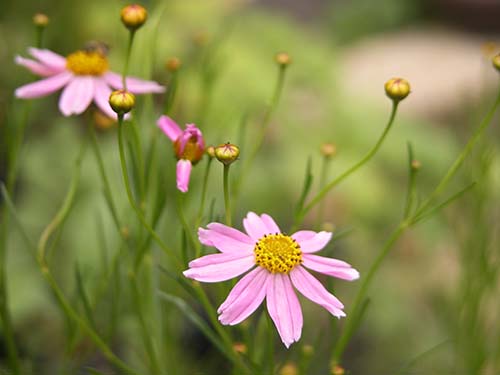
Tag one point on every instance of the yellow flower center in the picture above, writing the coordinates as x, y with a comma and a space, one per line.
277, 253
87, 63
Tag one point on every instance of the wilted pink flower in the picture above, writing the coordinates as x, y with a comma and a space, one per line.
84, 76
189, 147
281, 262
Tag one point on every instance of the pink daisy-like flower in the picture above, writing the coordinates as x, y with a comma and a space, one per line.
84, 76
189, 147
279, 265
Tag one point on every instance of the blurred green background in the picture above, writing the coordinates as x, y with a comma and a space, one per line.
342, 52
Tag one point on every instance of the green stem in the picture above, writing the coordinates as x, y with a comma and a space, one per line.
137, 210
348, 172
322, 181
127, 59
171, 93
185, 225
227, 200
107, 188
365, 284
460, 159
146, 334
410, 193
278, 89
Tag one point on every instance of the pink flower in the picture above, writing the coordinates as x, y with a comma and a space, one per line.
84, 76
189, 147
279, 265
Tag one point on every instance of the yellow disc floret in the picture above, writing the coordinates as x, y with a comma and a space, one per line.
87, 63
277, 253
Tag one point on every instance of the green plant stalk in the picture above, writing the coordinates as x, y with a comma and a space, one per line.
184, 223
460, 159
138, 212
127, 59
44, 268
147, 337
322, 181
410, 193
107, 188
201, 209
171, 93
360, 296
278, 89
349, 171
227, 199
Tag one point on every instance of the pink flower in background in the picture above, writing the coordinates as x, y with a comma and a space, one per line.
85, 77
189, 147
278, 264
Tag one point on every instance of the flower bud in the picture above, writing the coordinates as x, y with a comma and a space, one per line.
227, 153
328, 150
40, 20
416, 165
211, 151
133, 16
308, 350
121, 101
289, 369
103, 122
173, 64
397, 88
239, 347
337, 370
496, 62
283, 59
201, 38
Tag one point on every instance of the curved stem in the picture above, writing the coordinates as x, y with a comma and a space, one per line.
137, 210
360, 296
127, 59
460, 159
227, 200
349, 171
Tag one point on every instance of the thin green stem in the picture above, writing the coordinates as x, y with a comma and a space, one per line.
147, 337
227, 199
185, 225
107, 188
360, 296
273, 104
171, 93
201, 209
127, 59
410, 192
460, 159
137, 210
350, 170
322, 182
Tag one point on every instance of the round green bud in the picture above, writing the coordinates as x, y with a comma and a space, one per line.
397, 88
227, 153
122, 101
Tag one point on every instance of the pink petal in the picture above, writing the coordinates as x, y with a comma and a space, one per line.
270, 223
134, 85
219, 267
255, 226
245, 297
44, 87
310, 241
330, 267
77, 95
49, 58
101, 98
169, 127
224, 242
230, 232
183, 172
284, 308
36, 68
311, 288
